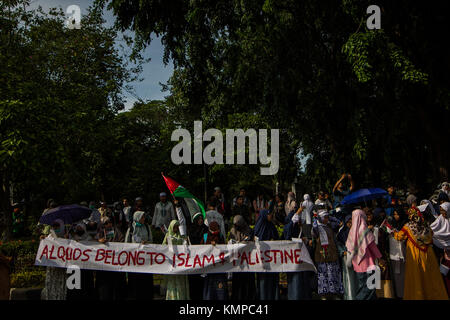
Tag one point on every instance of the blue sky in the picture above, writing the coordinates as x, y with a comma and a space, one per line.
154, 72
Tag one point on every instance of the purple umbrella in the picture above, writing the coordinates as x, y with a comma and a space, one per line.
68, 213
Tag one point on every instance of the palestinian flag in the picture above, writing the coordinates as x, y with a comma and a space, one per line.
177, 190
386, 226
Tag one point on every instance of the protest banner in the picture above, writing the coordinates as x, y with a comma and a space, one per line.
272, 256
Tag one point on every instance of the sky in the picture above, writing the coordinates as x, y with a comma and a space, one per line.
153, 73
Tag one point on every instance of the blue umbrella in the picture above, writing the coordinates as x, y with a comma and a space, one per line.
69, 214
363, 195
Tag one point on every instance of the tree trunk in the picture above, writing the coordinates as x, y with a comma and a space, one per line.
6, 206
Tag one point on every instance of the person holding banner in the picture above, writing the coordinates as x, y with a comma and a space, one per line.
196, 232
110, 285
267, 282
87, 290
215, 285
55, 278
177, 285
213, 215
243, 283
299, 283
140, 284
326, 256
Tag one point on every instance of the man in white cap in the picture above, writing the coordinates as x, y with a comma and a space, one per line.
220, 201
164, 213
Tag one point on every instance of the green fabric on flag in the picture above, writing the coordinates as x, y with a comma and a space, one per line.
194, 204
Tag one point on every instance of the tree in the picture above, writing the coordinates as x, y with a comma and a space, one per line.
373, 102
58, 88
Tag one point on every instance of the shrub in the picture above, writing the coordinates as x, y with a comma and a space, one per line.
28, 279
22, 252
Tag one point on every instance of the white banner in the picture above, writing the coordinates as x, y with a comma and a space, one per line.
271, 256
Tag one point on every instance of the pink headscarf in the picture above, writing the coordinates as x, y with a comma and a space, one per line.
358, 237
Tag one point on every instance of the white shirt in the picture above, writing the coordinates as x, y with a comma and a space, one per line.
164, 213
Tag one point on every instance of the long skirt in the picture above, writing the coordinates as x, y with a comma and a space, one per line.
267, 286
215, 287
196, 287
243, 286
398, 275
329, 278
55, 284
362, 290
177, 287
140, 286
349, 280
299, 285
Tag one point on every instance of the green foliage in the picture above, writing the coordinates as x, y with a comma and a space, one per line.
346, 96
28, 279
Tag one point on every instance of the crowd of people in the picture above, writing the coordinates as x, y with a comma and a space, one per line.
405, 240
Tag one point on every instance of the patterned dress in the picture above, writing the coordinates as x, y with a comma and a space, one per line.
328, 267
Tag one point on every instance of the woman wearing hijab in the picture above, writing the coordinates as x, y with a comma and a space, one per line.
299, 283
441, 229
177, 285
422, 277
140, 284
289, 206
306, 216
215, 284
362, 253
55, 278
397, 251
267, 282
197, 230
382, 241
213, 215
87, 290
243, 283
259, 204
441, 237
327, 260
429, 213
348, 274
110, 285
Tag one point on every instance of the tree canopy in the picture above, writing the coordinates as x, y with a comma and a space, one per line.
372, 102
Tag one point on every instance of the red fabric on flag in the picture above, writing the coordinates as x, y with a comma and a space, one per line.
171, 184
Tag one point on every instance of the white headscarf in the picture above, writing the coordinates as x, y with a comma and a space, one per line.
430, 205
213, 215
441, 228
306, 213
322, 232
140, 232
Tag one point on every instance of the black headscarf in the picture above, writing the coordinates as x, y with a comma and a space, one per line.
342, 235
197, 231
265, 229
398, 225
